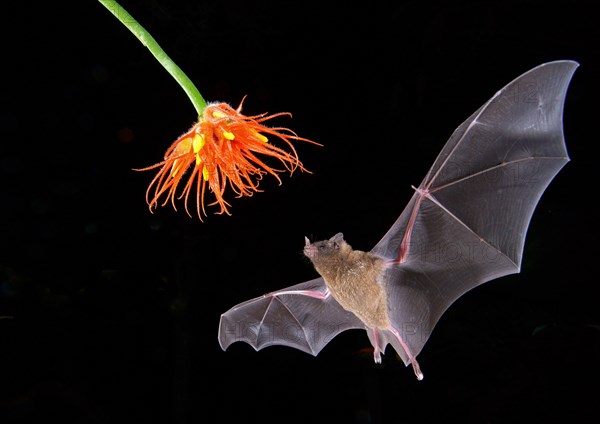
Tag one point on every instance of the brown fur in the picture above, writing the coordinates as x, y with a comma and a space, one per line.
353, 278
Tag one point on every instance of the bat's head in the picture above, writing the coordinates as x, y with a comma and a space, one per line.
324, 248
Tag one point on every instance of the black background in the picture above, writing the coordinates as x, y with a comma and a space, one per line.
115, 310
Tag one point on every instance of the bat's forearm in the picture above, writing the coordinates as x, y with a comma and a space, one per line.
310, 293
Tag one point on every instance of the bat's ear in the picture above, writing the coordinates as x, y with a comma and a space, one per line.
338, 238
306, 241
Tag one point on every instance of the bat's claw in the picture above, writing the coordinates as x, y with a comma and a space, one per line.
377, 356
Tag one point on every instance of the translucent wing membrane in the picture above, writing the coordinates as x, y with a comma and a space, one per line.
303, 316
467, 221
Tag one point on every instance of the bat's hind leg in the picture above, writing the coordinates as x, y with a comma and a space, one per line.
380, 342
409, 354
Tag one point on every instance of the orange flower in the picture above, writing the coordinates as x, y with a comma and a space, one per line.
222, 148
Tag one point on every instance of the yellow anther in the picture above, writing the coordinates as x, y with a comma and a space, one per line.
262, 138
183, 146
218, 114
199, 142
228, 135
198, 160
205, 173
175, 168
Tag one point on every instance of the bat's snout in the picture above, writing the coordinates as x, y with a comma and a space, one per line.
309, 249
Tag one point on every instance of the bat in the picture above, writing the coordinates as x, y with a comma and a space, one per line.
464, 225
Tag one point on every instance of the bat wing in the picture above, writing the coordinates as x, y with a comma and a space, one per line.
303, 316
466, 222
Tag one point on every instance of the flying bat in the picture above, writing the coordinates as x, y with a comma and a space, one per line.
464, 225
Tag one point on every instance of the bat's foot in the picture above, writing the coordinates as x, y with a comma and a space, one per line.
376, 349
417, 369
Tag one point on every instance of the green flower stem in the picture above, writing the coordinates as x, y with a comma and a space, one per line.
160, 55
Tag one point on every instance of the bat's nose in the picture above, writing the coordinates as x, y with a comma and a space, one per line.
309, 249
